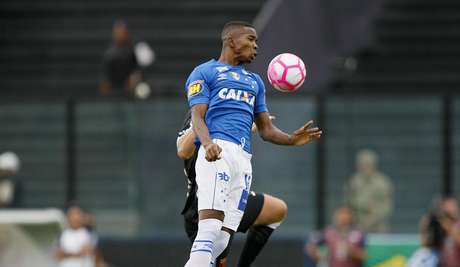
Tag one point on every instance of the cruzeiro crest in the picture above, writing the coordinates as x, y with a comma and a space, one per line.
235, 75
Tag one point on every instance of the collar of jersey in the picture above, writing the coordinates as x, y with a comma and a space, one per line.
228, 65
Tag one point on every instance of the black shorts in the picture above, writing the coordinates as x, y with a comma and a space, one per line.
252, 211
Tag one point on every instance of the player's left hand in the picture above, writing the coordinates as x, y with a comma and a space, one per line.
306, 134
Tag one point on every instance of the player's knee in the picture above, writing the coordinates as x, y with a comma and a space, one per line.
211, 214
277, 207
282, 209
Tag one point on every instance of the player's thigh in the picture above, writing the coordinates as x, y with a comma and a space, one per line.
213, 179
239, 193
274, 210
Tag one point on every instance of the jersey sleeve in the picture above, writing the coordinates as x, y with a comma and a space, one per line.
260, 105
197, 88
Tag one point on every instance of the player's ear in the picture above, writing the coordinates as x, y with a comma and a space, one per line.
231, 42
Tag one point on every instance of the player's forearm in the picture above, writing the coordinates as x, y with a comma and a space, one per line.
202, 132
199, 125
276, 136
186, 145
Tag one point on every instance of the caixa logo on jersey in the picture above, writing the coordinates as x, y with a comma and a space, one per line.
238, 95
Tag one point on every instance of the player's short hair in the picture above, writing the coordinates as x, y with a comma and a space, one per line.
232, 25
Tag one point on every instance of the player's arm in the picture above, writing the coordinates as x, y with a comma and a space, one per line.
271, 133
186, 144
201, 130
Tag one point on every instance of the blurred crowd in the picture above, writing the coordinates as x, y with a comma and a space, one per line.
77, 245
345, 241
368, 204
10, 186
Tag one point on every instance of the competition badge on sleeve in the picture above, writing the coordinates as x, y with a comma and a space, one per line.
194, 88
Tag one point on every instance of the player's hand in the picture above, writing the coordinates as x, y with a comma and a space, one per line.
306, 134
212, 151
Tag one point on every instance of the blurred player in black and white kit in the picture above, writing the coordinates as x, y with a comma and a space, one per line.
263, 213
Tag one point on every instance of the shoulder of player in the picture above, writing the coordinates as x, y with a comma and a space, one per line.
258, 79
254, 75
205, 66
206, 70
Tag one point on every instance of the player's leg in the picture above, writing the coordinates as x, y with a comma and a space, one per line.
212, 198
221, 260
239, 191
253, 208
191, 220
221, 245
273, 212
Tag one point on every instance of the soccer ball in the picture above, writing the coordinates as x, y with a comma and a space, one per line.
286, 72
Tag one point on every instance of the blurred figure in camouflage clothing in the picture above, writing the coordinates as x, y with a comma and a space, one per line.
370, 194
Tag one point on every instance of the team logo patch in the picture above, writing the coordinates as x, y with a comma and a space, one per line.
194, 87
235, 75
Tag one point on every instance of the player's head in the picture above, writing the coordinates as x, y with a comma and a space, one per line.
240, 38
343, 216
366, 161
120, 32
75, 216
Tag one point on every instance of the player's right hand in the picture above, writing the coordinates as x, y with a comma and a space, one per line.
212, 151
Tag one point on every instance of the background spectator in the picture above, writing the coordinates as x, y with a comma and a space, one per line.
76, 245
121, 71
9, 167
345, 242
432, 237
450, 253
369, 193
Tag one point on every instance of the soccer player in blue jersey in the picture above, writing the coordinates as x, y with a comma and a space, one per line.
225, 99
262, 215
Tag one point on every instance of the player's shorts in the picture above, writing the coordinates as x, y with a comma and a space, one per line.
252, 211
224, 184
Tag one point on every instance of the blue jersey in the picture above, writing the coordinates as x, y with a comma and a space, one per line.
233, 96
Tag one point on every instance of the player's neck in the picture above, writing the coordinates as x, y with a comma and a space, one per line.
228, 58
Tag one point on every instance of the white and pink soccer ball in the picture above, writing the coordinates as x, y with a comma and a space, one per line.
286, 72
